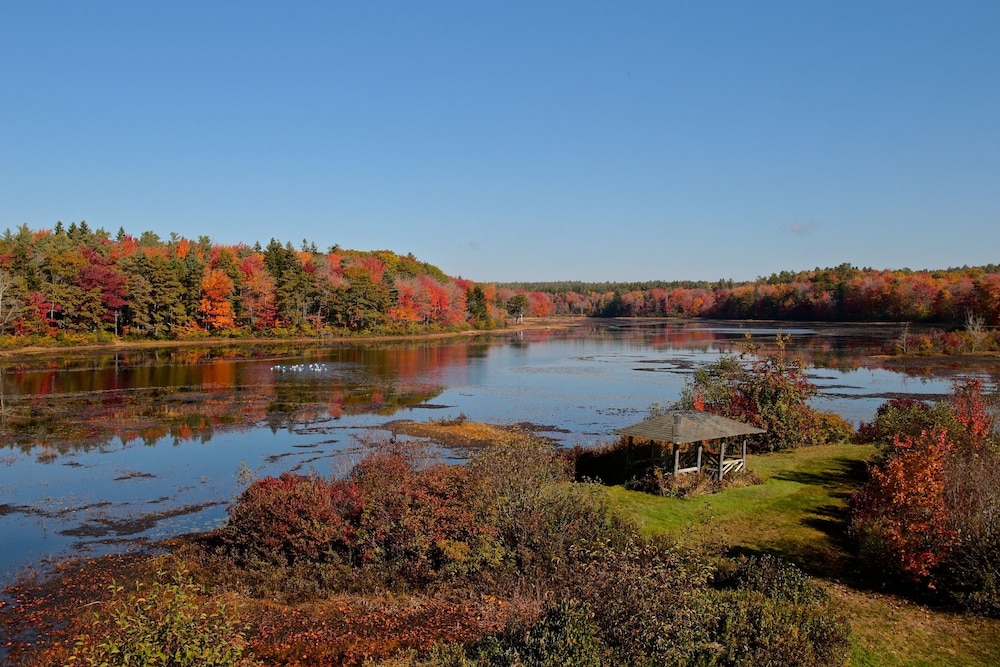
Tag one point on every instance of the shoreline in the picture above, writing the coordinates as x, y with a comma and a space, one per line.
556, 322
529, 324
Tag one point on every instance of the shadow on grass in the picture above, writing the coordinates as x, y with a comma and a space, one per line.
835, 557
841, 480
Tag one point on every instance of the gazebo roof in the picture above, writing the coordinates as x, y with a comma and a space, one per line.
683, 426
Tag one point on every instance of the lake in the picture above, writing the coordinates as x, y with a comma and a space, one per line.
102, 451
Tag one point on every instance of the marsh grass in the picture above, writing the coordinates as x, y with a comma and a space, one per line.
457, 432
800, 513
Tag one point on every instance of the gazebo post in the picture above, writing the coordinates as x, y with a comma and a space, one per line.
698, 464
722, 457
744, 453
677, 459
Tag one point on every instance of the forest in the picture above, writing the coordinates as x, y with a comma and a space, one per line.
76, 284
70, 282
839, 294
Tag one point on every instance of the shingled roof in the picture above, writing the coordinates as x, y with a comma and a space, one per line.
683, 426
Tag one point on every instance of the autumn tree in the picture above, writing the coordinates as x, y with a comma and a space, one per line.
60, 263
259, 308
216, 306
102, 279
900, 514
404, 310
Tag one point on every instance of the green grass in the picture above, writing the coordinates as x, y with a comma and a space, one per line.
800, 513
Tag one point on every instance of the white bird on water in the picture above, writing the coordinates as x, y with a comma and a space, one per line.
299, 368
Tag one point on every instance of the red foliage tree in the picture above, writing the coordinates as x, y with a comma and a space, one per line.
969, 407
103, 278
257, 293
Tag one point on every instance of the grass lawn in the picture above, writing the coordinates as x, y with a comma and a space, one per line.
799, 513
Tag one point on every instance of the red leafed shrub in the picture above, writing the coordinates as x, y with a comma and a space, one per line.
969, 407
426, 520
929, 510
900, 515
295, 517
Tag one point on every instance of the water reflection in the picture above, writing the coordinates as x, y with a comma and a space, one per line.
83, 402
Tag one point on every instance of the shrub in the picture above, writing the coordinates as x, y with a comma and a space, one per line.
899, 517
969, 574
439, 655
832, 428
752, 628
644, 595
779, 580
561, 520
930, 511
660, 483
769, 391
938, 341
513, 525
423, 523
655, 603
404, 522
901, 417
769, 612
294, 518
565, 636
169, 624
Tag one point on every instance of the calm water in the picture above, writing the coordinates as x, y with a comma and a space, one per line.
99, 451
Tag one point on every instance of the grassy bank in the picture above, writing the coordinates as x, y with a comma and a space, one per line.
799, 513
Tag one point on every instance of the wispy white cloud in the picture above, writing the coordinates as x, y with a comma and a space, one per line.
800, 228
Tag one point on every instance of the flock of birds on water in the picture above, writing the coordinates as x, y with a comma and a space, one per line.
299, 368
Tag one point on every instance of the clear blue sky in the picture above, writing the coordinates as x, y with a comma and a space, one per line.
508, 140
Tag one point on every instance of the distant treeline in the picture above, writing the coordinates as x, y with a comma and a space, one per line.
581, 287
842, 293
74, 283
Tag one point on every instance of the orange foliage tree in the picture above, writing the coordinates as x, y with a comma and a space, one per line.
405, 310
216, 307
900, 515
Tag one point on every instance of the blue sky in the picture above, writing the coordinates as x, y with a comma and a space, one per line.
507, 140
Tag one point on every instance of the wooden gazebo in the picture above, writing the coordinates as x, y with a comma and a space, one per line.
677, 428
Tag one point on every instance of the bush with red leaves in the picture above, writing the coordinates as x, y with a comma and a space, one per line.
295, 517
